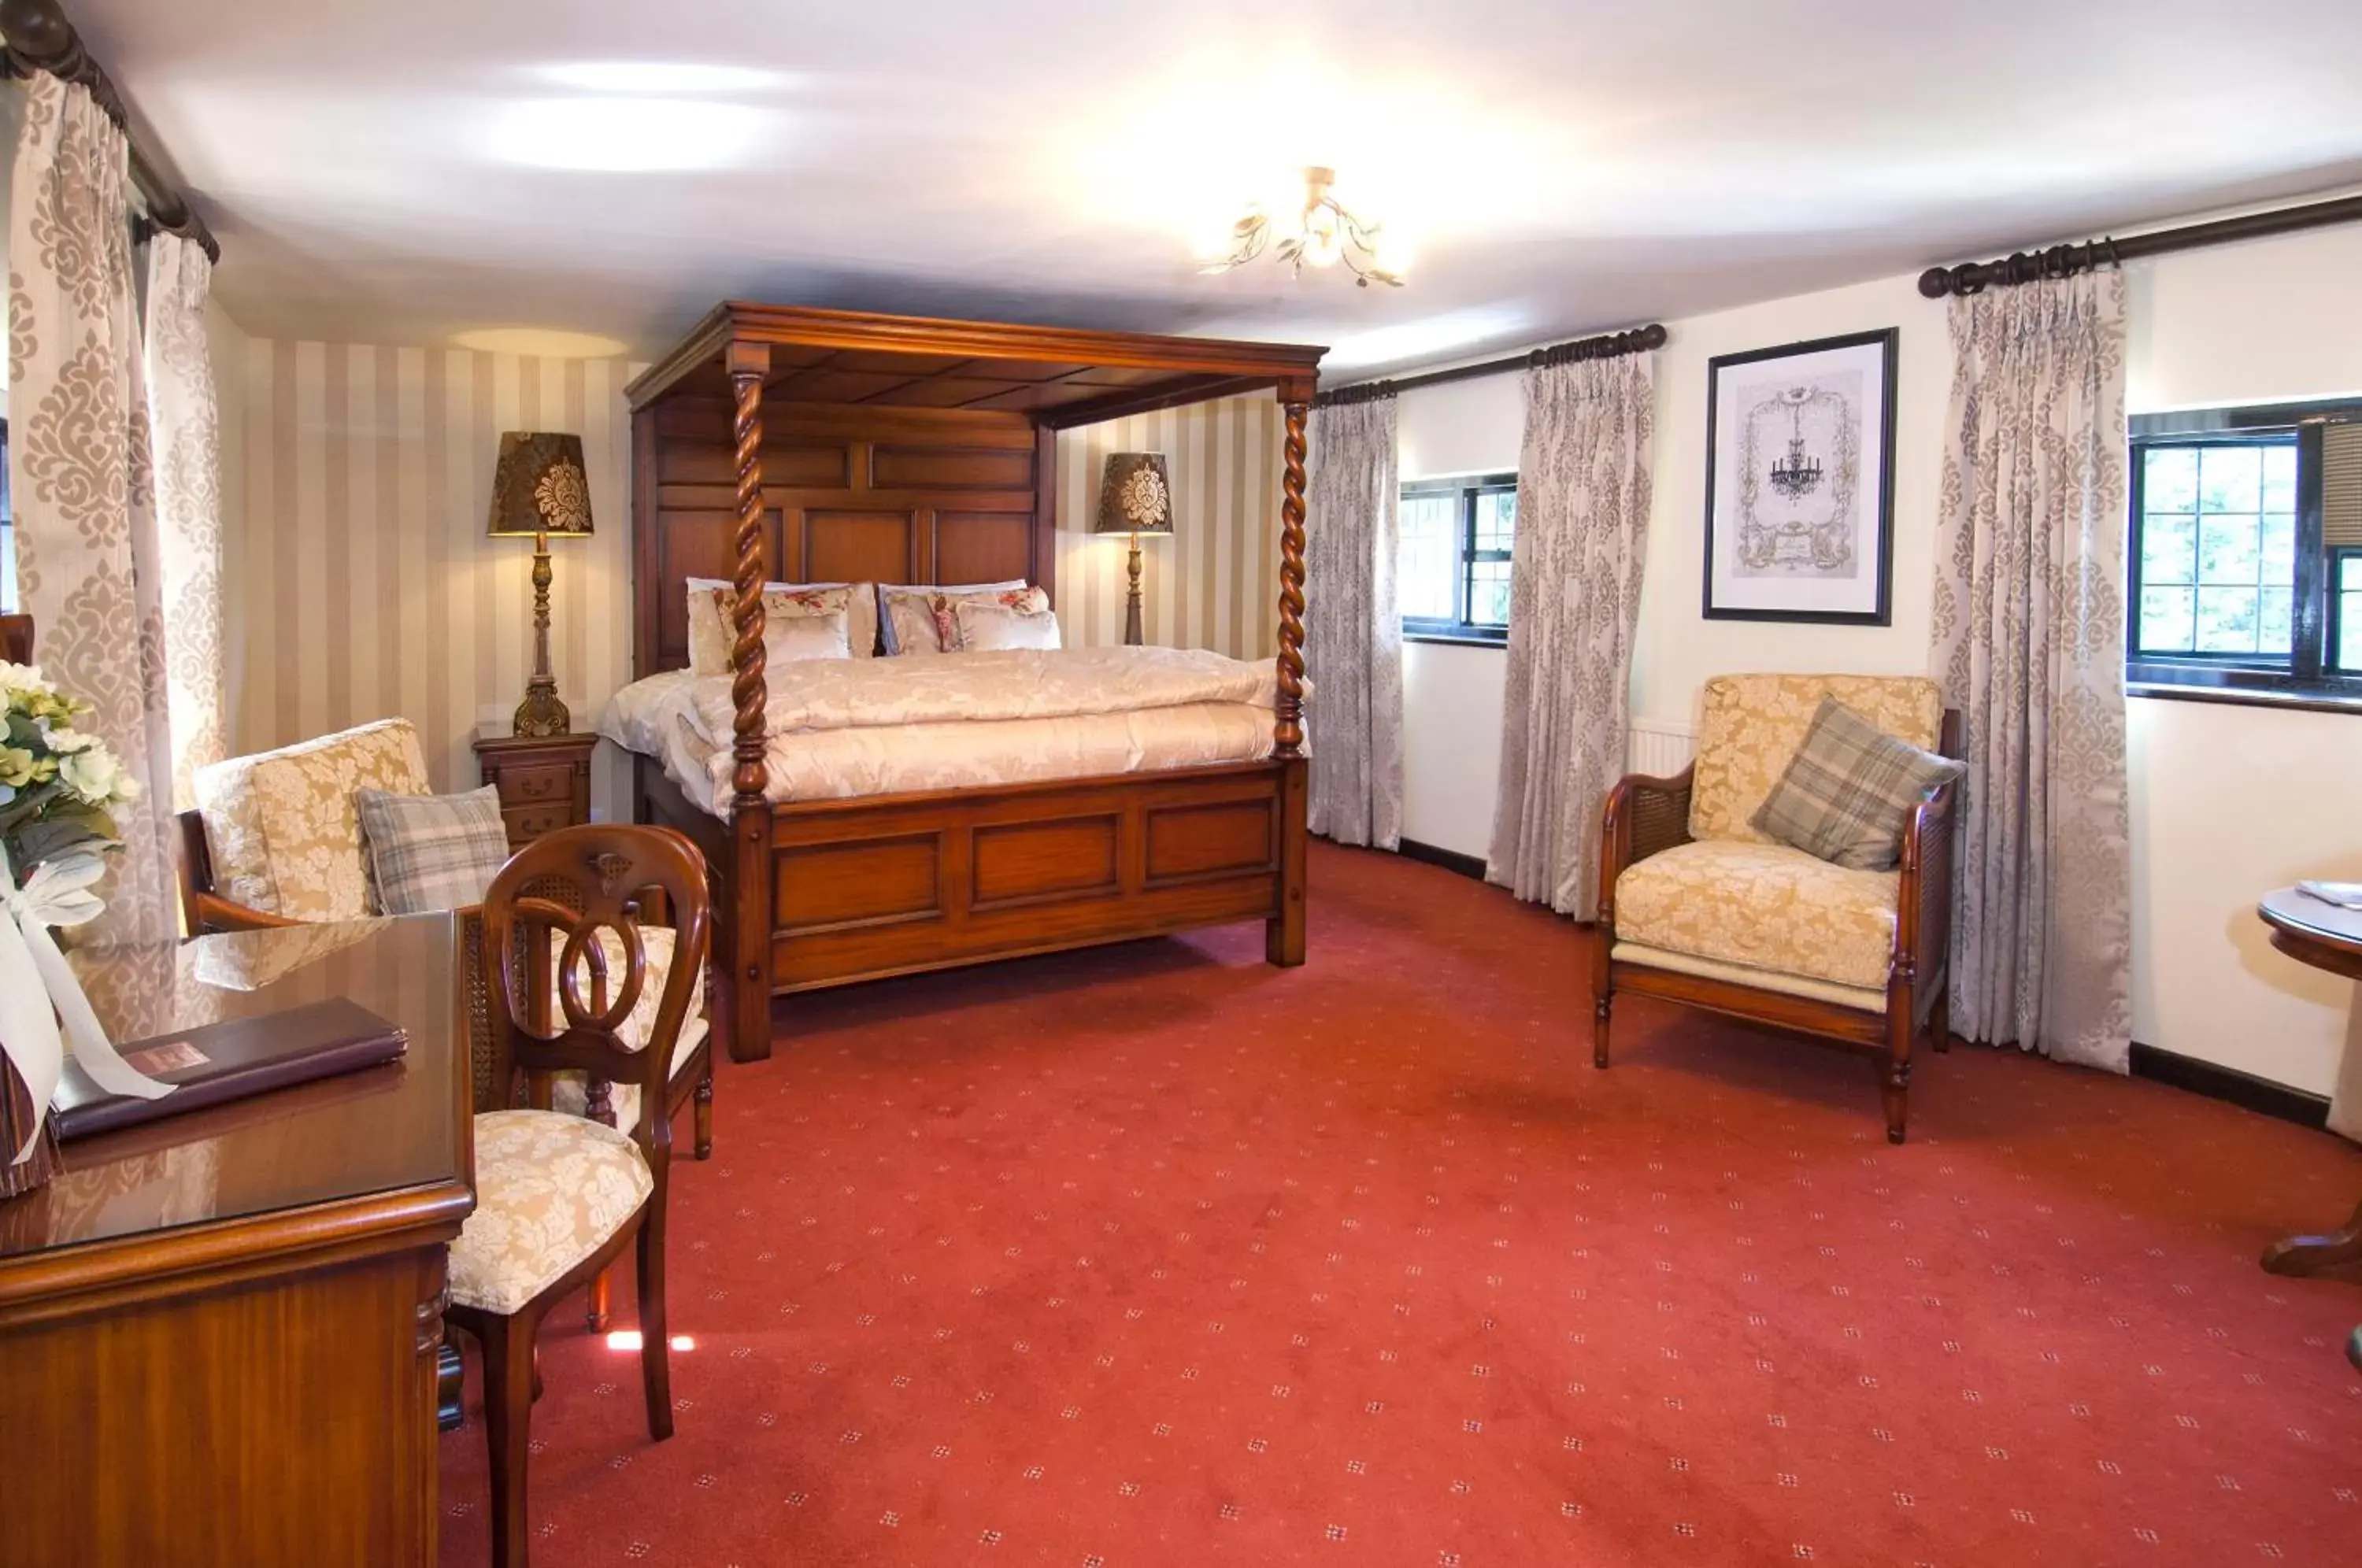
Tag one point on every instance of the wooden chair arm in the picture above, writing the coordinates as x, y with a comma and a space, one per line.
210, 915
1644, 816
1923, 926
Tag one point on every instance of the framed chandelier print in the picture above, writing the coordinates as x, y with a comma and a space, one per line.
1799, 481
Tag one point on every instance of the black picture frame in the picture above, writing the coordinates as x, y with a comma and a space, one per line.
1887, 341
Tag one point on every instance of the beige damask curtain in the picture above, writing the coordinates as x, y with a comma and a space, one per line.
2030, 646
1575, 598
185, 423
1352, 631
87, 558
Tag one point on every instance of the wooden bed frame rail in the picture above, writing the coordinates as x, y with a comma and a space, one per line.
896, 444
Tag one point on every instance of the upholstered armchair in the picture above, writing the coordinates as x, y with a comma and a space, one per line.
1696, 906
276, 840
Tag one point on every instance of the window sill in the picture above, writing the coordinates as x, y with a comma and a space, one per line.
2313, 700
1459, 639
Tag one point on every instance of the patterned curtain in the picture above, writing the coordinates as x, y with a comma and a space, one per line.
1352, 633
1574, 598
86, 548
2030, 648
186, 423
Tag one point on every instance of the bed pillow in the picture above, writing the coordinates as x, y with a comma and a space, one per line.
710, 598
431, 852
1849, 791
986, 626
917, 620
788, 638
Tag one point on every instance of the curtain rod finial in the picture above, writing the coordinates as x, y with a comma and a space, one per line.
37, 29
1935, 283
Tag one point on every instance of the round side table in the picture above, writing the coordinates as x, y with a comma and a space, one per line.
2326, 937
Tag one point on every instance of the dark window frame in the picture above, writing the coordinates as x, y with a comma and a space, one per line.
1467, 489
2308, 676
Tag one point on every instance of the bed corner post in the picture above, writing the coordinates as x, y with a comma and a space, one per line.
1283, 932
747, 992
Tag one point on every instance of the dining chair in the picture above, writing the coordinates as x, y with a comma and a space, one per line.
559, 1195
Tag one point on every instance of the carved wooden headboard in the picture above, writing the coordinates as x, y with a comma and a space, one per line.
851, 493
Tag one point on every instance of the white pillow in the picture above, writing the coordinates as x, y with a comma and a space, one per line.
926, 621
984, 626
794, 637
709, 633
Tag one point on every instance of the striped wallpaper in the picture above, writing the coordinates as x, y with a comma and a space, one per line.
1214, 582
358, 584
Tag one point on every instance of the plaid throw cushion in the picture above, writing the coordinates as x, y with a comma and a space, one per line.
1848, 793
431, 852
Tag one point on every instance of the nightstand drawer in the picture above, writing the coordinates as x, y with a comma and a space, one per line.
531, 786
526, 823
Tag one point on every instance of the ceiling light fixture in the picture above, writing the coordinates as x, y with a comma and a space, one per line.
1324, 233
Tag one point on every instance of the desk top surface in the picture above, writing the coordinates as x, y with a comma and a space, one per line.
349, 1139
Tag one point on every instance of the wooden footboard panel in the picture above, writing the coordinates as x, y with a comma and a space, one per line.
865, 888
862, 889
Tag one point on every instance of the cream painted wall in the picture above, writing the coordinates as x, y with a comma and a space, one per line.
1451, 694
2215, 821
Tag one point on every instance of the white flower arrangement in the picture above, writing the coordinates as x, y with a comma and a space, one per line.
59, 785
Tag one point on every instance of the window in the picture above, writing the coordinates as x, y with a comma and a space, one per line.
1452, 578
2245, 552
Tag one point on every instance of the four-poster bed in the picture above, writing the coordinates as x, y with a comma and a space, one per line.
812, 445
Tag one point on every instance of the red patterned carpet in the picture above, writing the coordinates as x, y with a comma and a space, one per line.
1155, 1255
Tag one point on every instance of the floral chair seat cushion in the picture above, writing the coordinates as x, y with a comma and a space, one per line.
281, 827
550, 1189
1751, 726
1765, 906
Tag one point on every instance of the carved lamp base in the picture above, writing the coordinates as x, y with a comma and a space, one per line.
541, 714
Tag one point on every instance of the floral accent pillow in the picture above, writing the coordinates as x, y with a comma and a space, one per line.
926, 620
787, 638
281, 827
710, 632
986, 628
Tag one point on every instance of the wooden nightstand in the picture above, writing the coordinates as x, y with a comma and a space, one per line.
544, 780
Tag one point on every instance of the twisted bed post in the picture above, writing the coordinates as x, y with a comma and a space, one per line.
745, 956
1283, 932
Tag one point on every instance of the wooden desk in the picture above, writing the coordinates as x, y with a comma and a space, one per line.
2326, 937
218, 1331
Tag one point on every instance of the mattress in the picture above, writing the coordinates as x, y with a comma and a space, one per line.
834, 737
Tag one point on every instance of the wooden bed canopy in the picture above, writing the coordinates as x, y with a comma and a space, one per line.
781, 442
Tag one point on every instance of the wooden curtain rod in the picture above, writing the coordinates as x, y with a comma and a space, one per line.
40, 37
1608, 345
2065, 261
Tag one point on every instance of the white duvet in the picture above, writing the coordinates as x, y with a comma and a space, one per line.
838, 728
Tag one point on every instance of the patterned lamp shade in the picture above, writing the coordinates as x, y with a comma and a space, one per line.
1135, 497
540, 487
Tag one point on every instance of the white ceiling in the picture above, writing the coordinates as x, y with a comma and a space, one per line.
1558, 166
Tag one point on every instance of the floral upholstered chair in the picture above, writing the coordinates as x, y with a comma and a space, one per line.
559, 1195
1697, 904
276, 839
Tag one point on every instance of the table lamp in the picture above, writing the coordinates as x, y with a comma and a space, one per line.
540, 490
1135, 498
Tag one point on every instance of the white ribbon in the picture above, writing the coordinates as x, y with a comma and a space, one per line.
38, 986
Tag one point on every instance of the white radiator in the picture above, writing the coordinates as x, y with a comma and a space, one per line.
1660, 747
